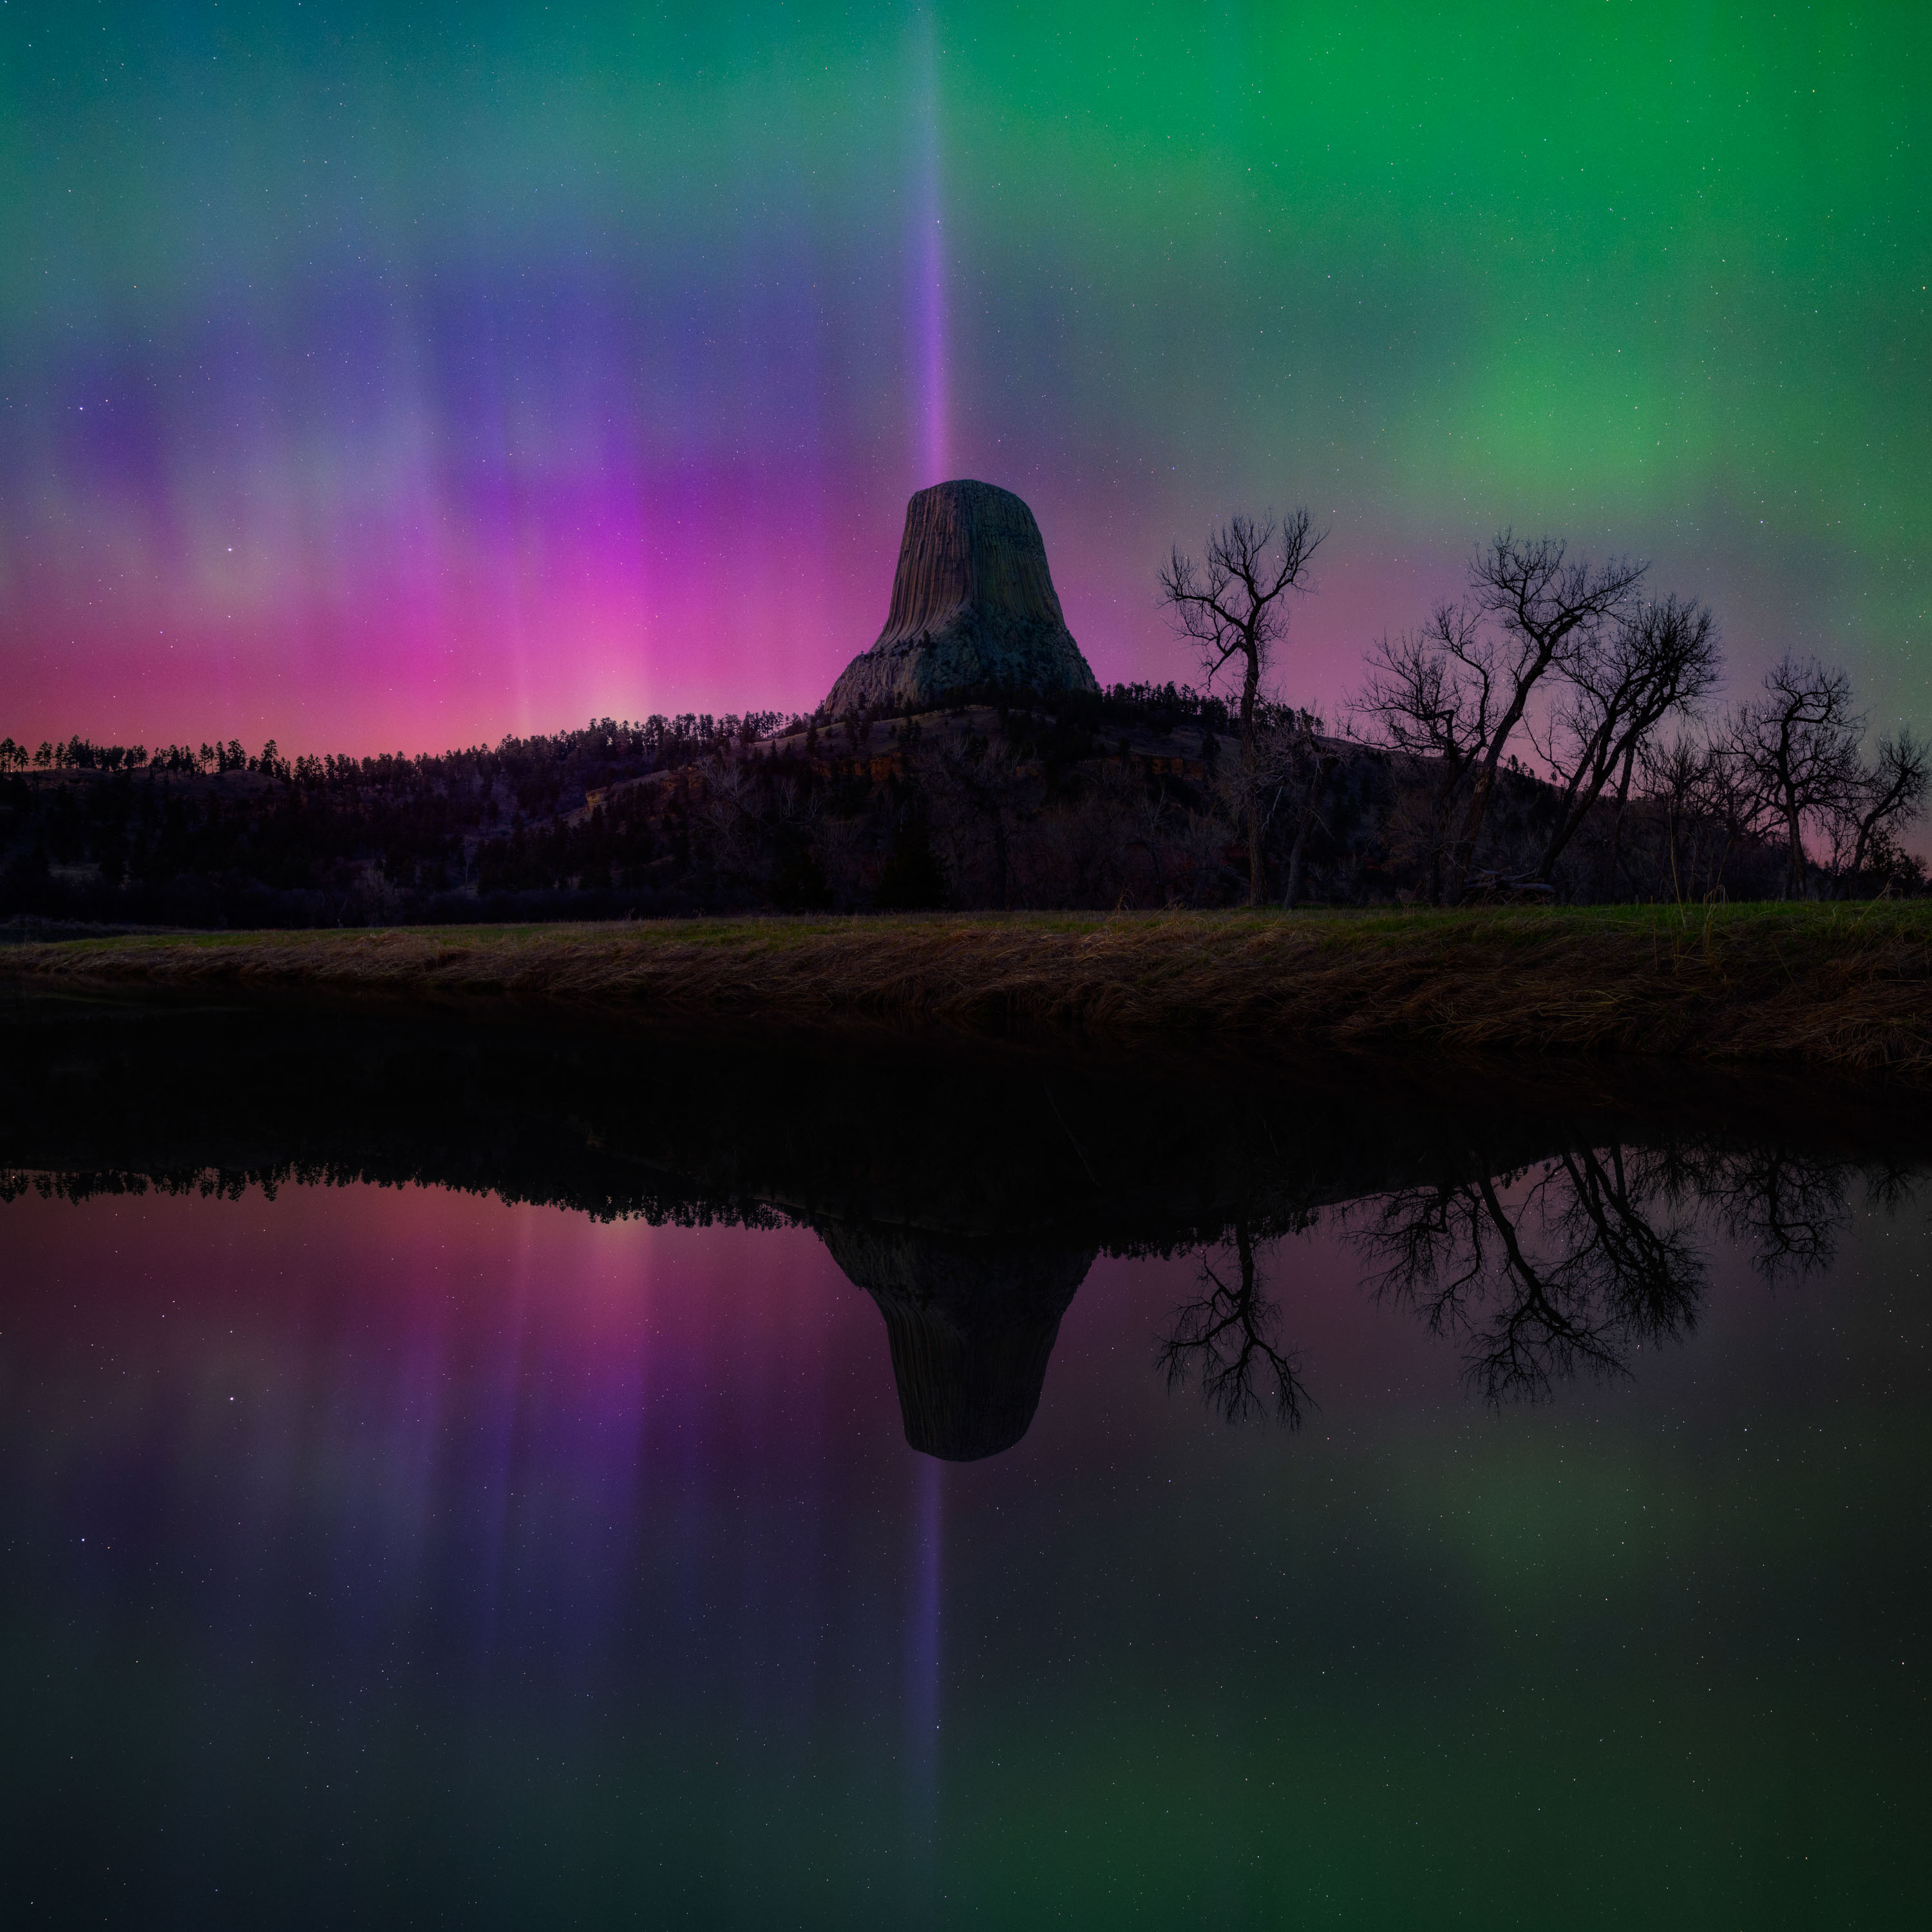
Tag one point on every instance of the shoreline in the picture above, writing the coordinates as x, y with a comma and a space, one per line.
1844, 987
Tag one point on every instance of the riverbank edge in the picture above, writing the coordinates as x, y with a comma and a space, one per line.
1846, 987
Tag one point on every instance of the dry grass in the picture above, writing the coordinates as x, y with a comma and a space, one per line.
1849, 987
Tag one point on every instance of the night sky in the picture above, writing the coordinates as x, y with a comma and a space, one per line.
386, 377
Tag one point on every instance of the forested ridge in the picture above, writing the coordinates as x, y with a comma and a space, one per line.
1132, 798
1551, 736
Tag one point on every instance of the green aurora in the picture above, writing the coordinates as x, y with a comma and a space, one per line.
601, 288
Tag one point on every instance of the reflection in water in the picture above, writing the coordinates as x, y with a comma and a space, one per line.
1225, 1339
1544, 1236
1575, 1264
390, 1554
1572, 1266
1789, 1210
971, 1325
921, 1701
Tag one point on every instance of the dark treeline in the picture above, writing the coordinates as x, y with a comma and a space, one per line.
997, 799
1551, 736
219, 835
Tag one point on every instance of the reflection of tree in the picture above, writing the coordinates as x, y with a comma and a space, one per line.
1226, 1336
1574, 1265
1593, 1258
1788, 1209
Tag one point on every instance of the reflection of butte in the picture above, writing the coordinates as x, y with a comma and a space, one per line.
971, 1324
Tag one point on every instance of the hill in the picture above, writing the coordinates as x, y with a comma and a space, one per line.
1123, 798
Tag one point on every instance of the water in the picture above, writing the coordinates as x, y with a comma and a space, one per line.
459, 1479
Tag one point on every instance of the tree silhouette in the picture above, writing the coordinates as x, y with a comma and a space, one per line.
1233, 605
1538, 609
1660, 658
1798, 745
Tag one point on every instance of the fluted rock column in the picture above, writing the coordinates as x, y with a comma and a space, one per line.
973, 604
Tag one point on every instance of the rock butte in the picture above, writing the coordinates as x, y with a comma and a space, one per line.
973, 604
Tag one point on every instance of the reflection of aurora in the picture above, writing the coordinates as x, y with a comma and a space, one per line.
512, 1505
969, 1200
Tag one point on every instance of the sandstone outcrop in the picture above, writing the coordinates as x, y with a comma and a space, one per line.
973, 604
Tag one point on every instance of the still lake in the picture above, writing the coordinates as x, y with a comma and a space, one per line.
447, 1481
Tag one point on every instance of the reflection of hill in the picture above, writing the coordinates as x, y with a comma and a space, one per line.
969, 1195
988, 1146
971, 1324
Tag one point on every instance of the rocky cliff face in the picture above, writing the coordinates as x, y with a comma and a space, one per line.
973, 604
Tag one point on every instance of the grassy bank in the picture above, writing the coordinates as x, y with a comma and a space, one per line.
1847, 987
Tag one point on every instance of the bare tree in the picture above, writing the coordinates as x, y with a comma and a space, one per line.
1457, 690
1150, 809
1685, 783
1621, 685
1798, 747
1888, 794
1293, 763
727, 809
1431, 695
1233, 605
1539, 611
1311, 762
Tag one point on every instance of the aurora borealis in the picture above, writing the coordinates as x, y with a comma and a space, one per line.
373, 382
